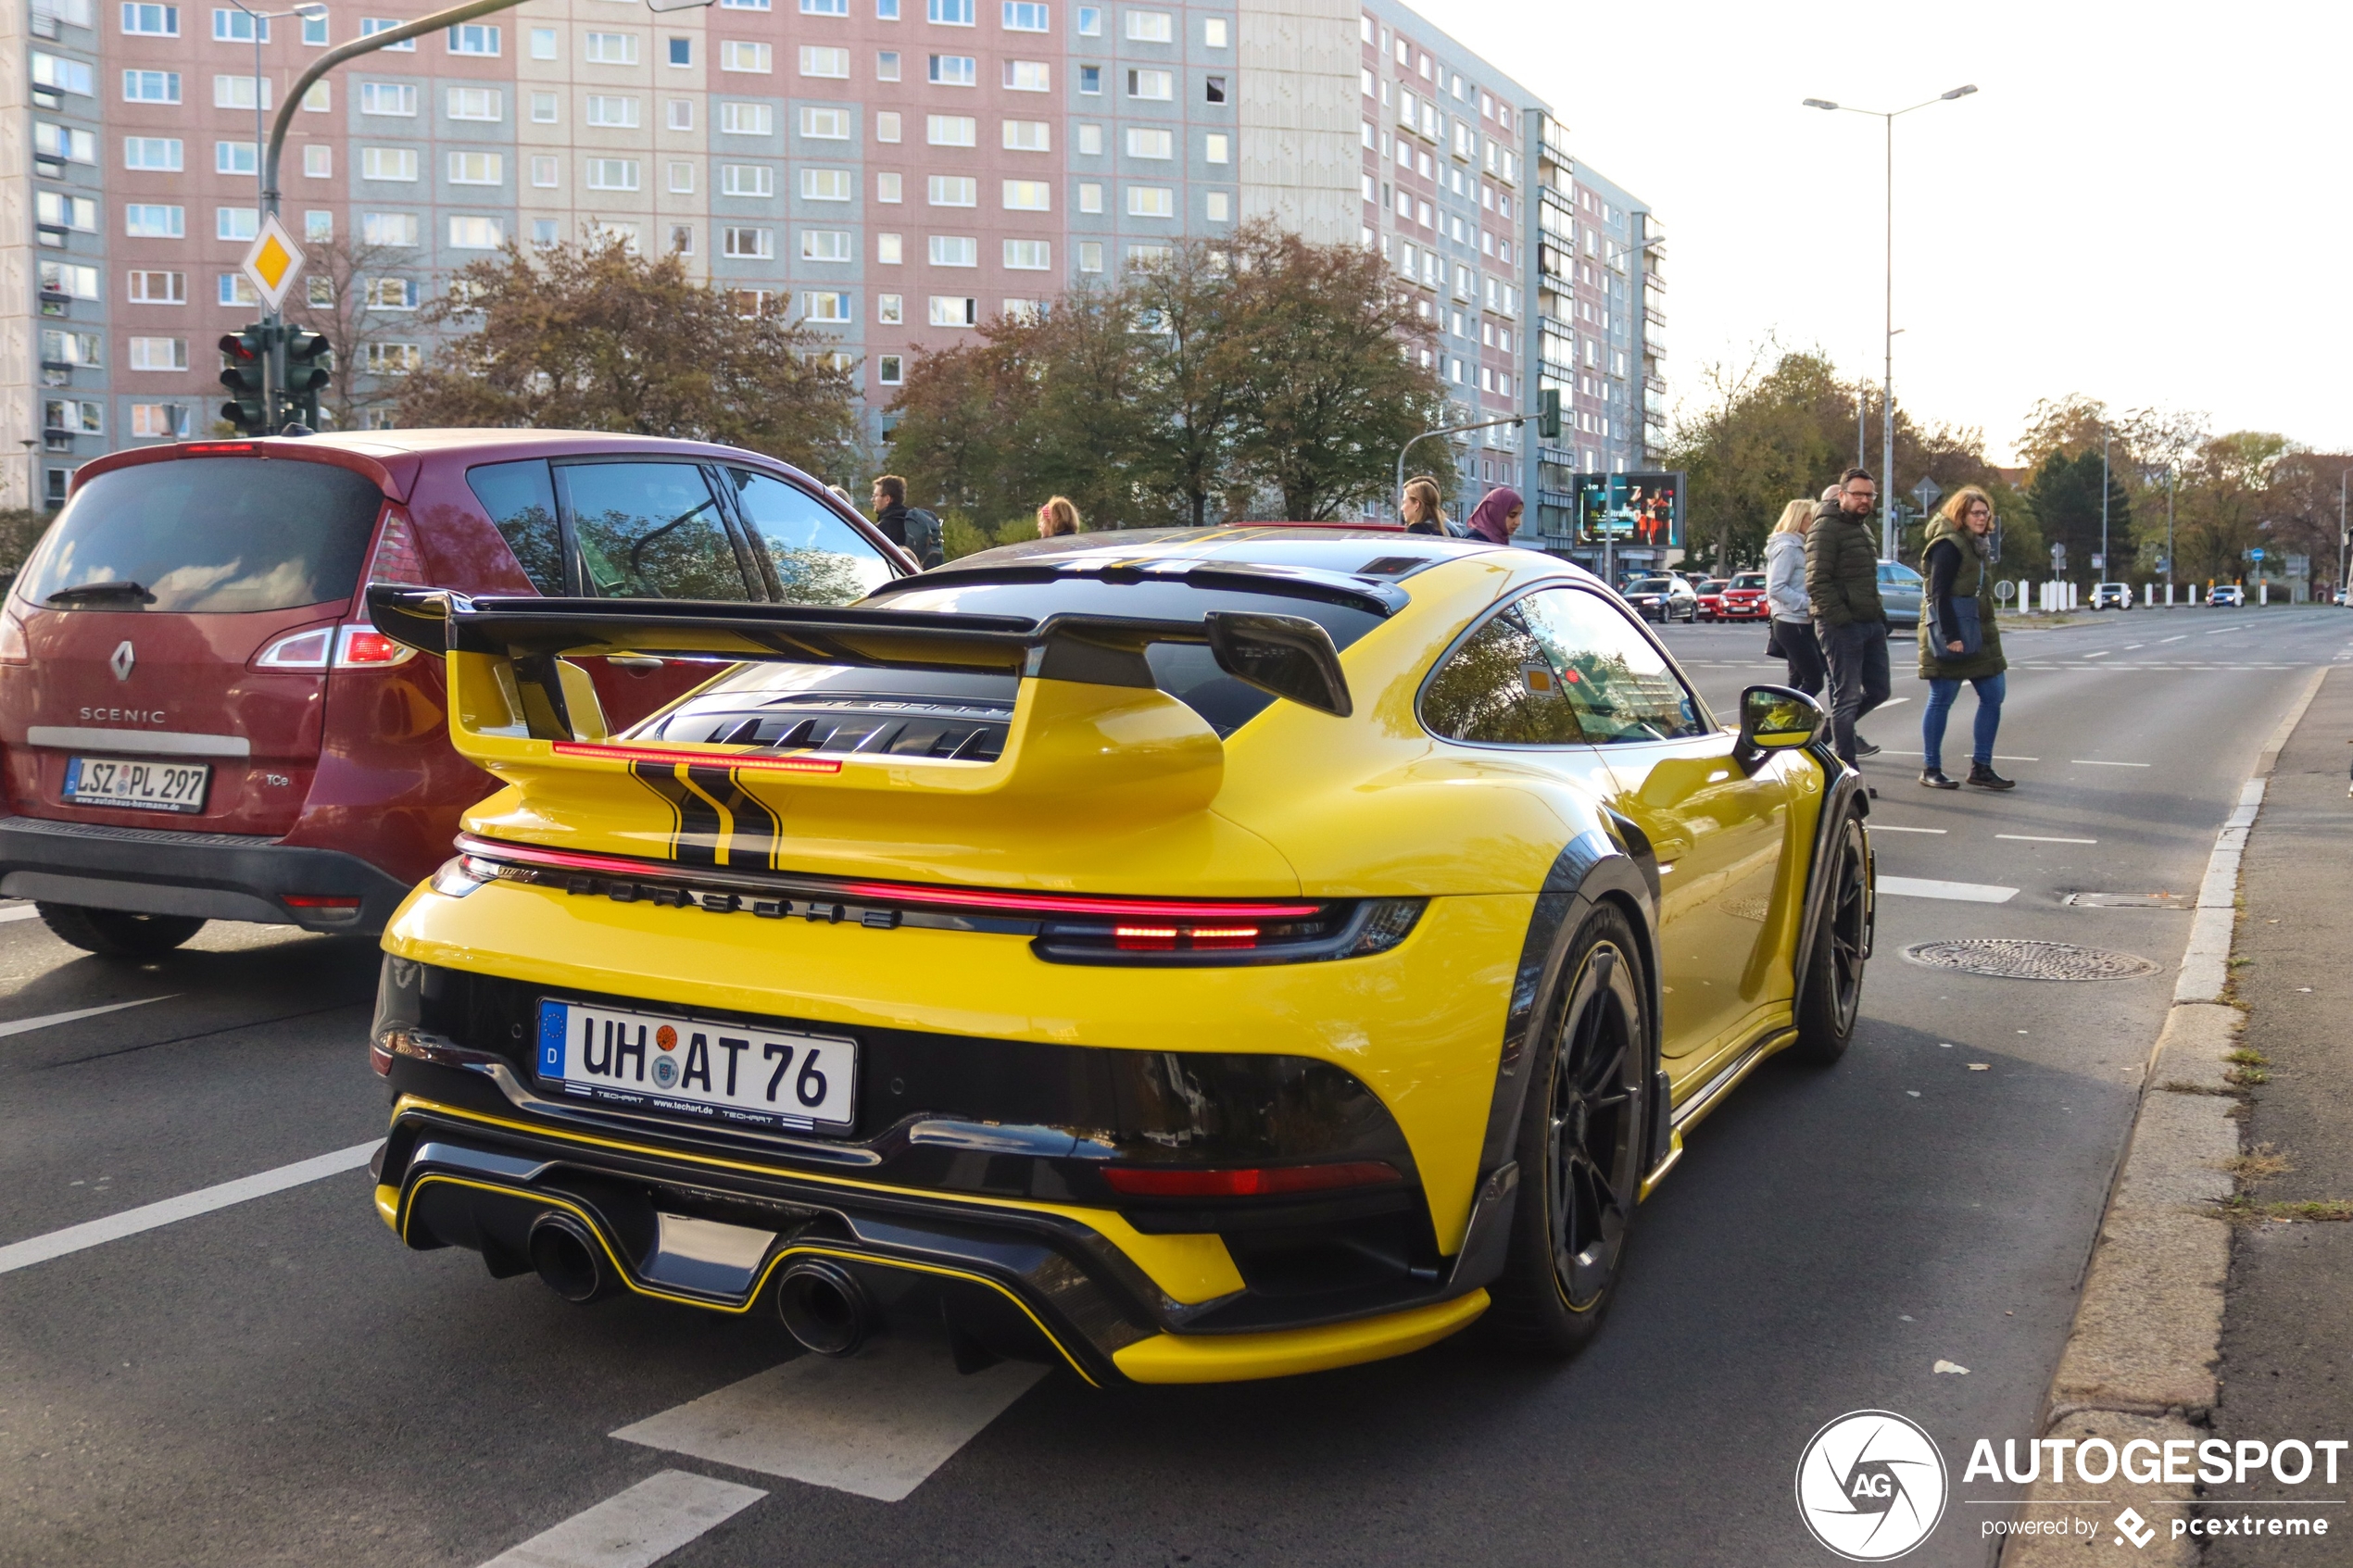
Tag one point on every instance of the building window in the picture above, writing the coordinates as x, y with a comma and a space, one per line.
543, 42
1028, 136
59, 141
387, 163
74, 416
150, 152
393, 358
388, 97
476, 234
1028, 256
1090, 80
1026, 16
612, 173
889, 250
886, 65
1090, 197
681, 178
612, 48
236, 27
890, 309
473, 38
160, 420
1142, 142
1152, 27
235, 288
236, 93
151, 86
747, 180
747, 119
824, 8
391, 294
1217, 149
758, 245
318, 161
234, 222
680, 114
1157, 86
825, 184
151, 222
1090, 256
1214, 90
1213, 33
887, 125
825, 245
1029, 195
81, 282
159, 353
825, 125
814, 62
543, 108
60, 75
620, 112
478, 169
679, 51
887, 187
479, 102
156, 21
1219, 208
371, 26
889, 370
948, 13
955, 71
543, 231
388, 228
824, 304
1147, 256
544, 172
742, 5
954, 190
887, 10
948, 310
951, 131
1090, 140
1027, 76
955, 250
1151, 201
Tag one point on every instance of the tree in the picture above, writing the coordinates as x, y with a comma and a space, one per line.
590, 336
2226, 491
2065, 499
336, 302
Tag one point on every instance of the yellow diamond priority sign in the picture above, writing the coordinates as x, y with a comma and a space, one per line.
275, 262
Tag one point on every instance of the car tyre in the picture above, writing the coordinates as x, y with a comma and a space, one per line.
1580, 1148
117, 934
1833, 971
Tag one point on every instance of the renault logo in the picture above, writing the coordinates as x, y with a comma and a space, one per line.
123, 661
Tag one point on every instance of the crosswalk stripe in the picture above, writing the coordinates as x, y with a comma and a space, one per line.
1959, 892
636, 1528
26, 1025
204, 1201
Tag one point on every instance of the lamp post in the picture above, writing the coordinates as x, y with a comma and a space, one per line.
2105, 438
1887, 394
2343, 587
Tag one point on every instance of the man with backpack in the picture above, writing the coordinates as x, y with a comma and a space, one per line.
912, 528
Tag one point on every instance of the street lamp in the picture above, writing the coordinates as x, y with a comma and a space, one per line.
1887, 394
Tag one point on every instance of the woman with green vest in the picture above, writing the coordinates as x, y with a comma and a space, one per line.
1959, 638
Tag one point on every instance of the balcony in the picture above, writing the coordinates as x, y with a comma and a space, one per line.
51, 235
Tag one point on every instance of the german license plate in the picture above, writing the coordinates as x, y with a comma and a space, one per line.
140, 785
722, 1072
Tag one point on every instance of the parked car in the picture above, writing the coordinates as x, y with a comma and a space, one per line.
1899, 593
1743, 598
200, 725
1039, 980
1709, 591
2112, 596
1662, 599
2228, 595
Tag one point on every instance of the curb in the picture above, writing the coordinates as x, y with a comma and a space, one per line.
2140, 1360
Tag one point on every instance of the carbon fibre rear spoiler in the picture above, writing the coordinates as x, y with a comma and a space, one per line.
1288, 656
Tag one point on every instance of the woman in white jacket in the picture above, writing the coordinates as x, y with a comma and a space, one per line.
1792, 623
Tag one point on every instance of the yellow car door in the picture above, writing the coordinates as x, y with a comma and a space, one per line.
1727, 907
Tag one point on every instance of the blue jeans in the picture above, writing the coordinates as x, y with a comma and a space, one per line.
1941, 694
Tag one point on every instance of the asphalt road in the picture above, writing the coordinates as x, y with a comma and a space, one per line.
277, 1381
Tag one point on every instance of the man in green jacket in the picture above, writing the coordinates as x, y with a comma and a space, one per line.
1842, 578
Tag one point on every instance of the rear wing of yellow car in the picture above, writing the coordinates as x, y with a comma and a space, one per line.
1088, 723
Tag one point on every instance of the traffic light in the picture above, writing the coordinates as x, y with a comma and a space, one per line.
305, 374
1548, 414
245, 356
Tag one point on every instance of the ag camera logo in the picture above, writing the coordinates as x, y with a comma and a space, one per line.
1872, 1485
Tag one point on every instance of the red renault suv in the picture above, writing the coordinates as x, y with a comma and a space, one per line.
197, 722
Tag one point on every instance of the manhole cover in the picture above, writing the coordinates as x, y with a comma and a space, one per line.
2012, 958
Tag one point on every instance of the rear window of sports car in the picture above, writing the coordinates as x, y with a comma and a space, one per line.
1186, 672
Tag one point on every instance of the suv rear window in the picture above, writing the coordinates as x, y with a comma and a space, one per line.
208, 536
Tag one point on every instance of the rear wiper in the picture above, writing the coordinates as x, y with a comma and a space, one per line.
103, 591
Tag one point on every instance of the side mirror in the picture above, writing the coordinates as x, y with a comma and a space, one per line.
1774, 719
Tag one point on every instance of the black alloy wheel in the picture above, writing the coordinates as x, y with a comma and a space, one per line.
1833, 973
1580, 1148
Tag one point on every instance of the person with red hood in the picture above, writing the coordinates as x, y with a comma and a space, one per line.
1496, 518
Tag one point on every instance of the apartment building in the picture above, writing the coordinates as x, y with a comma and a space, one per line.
893, 171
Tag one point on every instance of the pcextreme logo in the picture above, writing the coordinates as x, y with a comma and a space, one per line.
1872, 1485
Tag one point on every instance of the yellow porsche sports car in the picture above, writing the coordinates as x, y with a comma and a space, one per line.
1191, 956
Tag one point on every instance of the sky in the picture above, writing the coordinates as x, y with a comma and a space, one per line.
2147, 204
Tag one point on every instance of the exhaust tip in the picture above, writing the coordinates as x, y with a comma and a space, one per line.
568, 1260
824, 1308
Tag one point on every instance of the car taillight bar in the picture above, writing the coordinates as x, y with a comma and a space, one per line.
339, 647
211, 448
1169, 938
1247, 1181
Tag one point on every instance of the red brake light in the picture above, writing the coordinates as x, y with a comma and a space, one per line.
319, 901
13, 649
364, 648
204, 449
1261, 1181
1165, 938
398, 559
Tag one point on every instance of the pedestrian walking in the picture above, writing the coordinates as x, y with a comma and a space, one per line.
890, 508
1421, 509
1058, 517
1496, 518
1841, 581
1959, 640
1789, 633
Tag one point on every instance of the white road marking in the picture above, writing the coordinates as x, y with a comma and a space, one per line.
1891, 827
2130, 647
2095, 762
26, 1025
1959, 892
2225, 631
204, 1201
636, 1528
2102, 654
876, 1425
2038, 838
2181, 638
1892, 702
1999, 757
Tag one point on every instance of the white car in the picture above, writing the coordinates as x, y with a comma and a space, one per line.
2229, 594
2112, 596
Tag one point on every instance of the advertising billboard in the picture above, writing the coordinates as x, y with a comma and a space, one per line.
1636, 510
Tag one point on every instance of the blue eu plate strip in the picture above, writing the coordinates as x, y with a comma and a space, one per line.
551, 1039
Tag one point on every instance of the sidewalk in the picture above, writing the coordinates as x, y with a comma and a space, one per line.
2287, 1334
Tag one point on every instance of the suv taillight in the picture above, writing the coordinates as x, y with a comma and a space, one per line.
338, 647
398, 559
